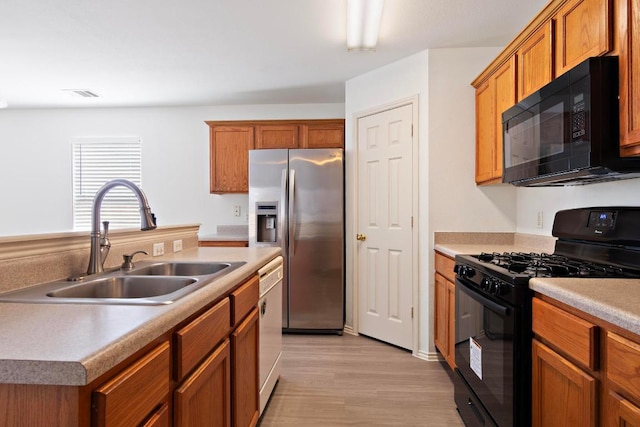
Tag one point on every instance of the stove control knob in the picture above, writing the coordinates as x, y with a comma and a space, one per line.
467, 272
498, 288
464, 271
485, 283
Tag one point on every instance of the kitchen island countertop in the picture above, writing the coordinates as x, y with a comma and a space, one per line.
73, 344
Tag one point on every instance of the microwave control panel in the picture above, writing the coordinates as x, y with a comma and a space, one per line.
578, 117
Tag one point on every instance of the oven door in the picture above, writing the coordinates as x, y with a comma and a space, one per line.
484, 352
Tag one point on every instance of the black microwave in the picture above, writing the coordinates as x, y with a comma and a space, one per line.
566, 133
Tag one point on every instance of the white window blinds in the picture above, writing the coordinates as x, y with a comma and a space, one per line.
96, 161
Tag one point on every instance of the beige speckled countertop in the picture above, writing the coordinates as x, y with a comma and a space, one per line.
454, 243
616, 301
227, 233
72, 344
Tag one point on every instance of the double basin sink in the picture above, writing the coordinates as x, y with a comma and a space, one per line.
148, 284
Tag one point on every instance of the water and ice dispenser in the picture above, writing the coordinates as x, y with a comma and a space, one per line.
267, 221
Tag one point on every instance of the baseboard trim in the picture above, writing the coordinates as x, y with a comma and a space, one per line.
429, 356
349, 330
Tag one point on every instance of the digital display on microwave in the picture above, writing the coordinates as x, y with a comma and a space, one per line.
535, 137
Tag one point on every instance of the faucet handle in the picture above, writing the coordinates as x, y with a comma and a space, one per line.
127, 260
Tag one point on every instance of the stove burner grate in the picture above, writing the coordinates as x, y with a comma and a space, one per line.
552, 265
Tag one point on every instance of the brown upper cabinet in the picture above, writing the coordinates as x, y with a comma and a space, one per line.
276, 136
228, 158
535, 61
230, 142
583, 31
628, 40
496, 94
322, 135
563, 34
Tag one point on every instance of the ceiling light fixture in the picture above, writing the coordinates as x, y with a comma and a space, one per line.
363, 23
81, 93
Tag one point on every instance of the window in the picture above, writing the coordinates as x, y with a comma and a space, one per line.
97, 161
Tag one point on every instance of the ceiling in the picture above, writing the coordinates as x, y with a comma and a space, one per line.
213, 52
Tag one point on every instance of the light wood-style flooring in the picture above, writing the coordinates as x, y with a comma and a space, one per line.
331, 380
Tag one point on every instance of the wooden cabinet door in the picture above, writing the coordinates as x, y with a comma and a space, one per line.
244, 372
204, 397
440, 319
563, 395
493, 97
229, 158
276, 136
628, 24
451, 323
620, 412
322, 135
505, 97
535, 61
160, 418
582, 30
131, 396
485, 131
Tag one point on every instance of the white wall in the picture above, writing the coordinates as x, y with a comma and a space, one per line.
530, 201
456, 203
35, 165
448, 197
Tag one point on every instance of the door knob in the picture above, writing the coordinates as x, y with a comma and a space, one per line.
361, 237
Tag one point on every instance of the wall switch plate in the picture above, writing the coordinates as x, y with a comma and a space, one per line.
158, 249
236, 211
539, 220
177, 245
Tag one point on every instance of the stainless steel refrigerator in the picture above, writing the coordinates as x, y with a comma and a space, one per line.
296, 202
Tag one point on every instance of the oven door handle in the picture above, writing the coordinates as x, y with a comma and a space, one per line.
492, 305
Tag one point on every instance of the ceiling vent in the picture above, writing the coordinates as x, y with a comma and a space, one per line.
81, 93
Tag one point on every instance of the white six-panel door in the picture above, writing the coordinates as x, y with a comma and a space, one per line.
384, 228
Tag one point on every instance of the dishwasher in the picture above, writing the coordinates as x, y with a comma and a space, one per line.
270, 326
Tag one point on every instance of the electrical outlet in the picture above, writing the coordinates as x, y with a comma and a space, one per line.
177, 245
158, 249
539, 220
236, 211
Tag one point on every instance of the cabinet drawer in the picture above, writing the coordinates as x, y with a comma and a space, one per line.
569, 334
244, 299
623, 360
160, 418
130, 397
444, 265
198, 338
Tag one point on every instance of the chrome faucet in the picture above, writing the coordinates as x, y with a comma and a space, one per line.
100, 243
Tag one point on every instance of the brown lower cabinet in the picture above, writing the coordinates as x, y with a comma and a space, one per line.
585, 370
445, 307
204, 371
204, 398
244, 389
223, 243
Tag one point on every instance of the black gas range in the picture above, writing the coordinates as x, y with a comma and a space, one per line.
493, 307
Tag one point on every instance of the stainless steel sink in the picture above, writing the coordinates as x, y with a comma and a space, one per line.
181, 269
124, 287
148, 284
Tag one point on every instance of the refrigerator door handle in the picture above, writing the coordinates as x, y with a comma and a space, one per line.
281, 214
292, 210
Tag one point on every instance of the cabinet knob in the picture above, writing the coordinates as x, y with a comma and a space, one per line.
361, 237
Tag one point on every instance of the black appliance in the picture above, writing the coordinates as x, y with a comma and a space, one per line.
567, 132
493, 307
